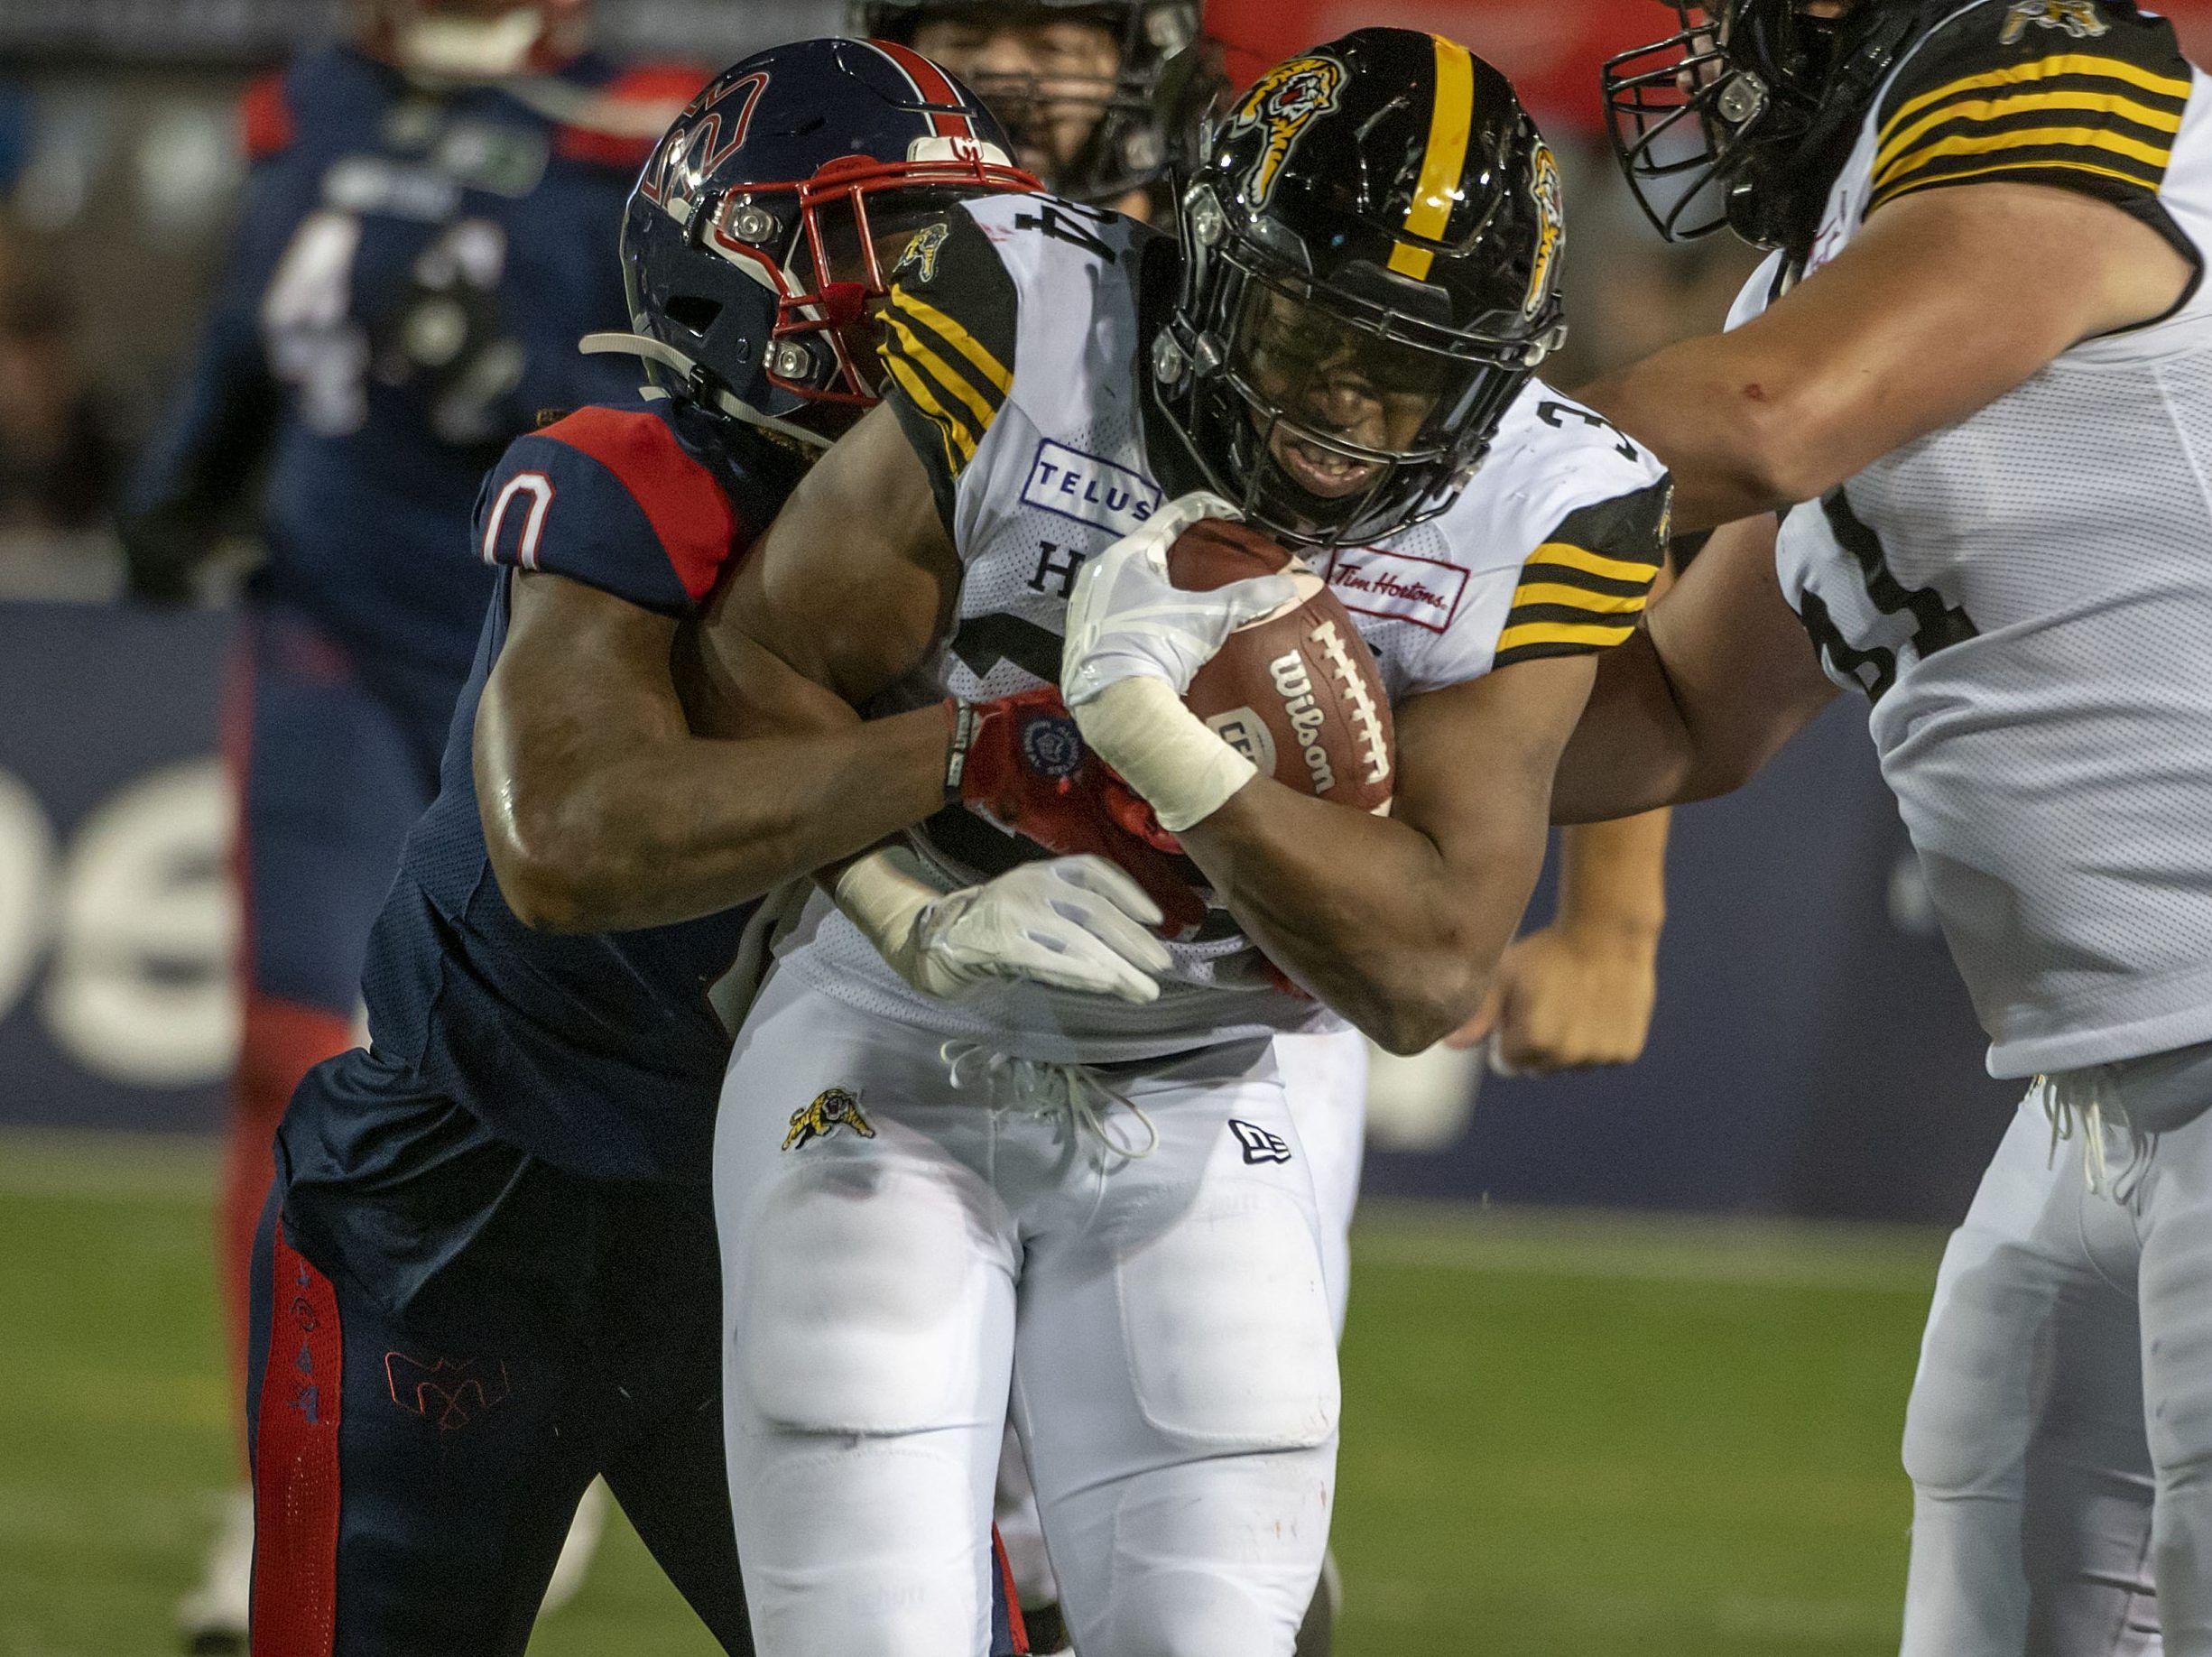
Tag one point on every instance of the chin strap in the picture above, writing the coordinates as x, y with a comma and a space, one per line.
667, 356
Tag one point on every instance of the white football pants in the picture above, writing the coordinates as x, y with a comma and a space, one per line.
1325, 1086
893, 1243
2059, 1437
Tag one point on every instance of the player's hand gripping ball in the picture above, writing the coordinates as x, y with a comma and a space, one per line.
1296, 691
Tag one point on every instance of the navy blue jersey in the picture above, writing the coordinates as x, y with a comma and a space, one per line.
599, 1055
411, 274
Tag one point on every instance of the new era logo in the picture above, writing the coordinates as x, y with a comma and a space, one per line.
1259, 1144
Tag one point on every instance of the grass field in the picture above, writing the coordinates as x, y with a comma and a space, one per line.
1562, 1436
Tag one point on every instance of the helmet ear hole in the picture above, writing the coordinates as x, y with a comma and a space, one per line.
694, 313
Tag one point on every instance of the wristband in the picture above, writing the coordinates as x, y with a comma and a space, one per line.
964, 722
1170, 755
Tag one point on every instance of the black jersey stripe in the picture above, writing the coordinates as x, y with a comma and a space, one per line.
1538, 568
2078, 105
1534, 643
2146, 86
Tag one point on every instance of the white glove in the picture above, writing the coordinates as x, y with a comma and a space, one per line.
1127, 619
1135, 641
1073, 923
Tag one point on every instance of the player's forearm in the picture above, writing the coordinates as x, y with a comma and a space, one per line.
1613, 880
1633, 753
671, 831
1738, 437
1366, 912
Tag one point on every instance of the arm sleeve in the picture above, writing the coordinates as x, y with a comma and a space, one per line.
216, 437
947, 349
1582, 589
610, 497
2074, 93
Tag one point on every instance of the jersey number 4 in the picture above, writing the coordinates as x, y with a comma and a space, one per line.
1936, 624
1063, 221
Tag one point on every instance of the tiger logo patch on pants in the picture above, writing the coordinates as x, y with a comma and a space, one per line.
831, 1110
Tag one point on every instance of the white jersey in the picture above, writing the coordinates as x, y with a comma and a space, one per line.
1015, 343
2026, 596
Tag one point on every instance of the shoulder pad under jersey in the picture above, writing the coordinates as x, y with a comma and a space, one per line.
949, 347
613, 497
1596, 507
2075, 94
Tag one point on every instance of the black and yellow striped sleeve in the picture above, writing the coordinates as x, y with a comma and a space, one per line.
948, 346
2078, 94
1583, 588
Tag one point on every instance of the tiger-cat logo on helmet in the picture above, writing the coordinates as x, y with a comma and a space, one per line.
1550, 226
2079, 18
1283, 104
832, 1108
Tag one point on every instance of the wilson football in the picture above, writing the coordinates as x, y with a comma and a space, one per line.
1297, 691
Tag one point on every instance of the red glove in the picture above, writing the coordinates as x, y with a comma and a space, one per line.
1026, 768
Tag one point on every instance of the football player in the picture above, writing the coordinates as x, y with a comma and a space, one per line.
1077, 82
1973, 379
1106, 1207
414, 264
487, 1273
1086, 89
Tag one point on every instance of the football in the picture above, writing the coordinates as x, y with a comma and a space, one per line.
1297, 691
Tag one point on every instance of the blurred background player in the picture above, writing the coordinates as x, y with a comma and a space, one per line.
1077, 82
427, 230
496, 1217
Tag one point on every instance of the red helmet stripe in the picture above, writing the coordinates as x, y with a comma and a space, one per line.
933, 86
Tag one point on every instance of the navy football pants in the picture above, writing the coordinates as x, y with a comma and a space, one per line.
450, 1338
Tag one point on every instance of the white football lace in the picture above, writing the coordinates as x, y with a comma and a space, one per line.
2075, 1101
1049, 1089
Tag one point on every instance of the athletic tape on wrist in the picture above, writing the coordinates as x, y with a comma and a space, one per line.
882, 895
1166, 752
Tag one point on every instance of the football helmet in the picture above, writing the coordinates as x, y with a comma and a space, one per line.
1737, 119
757, 244
1126, 148
474, 39
1371, 252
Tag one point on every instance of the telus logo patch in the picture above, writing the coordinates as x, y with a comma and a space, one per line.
1090, 490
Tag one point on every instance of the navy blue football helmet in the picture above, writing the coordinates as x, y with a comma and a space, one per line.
755, 244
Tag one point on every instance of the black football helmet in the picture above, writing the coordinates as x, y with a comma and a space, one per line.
1371, 247
1739, 119
1127, 150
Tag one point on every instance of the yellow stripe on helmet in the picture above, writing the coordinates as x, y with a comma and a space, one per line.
1451, 127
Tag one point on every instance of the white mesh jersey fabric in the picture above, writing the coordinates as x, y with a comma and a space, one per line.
1061, 474
2051, 757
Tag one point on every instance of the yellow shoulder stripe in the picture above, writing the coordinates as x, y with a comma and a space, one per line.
1580, 597
2019, 103
2027, 137
957, 337
960, 446
1882, 197
1451, 127
2042, 69
1575, 558
908, 344
1599, 637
